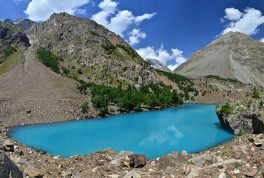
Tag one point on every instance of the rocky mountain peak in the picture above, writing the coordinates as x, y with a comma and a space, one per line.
103, 56
233, 55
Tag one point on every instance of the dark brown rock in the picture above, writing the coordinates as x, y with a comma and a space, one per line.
137, 161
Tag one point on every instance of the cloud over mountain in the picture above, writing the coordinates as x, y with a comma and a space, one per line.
172, 58
247, 22
122, 22
40, 10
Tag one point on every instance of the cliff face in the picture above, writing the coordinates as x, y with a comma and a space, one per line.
234, 55
102, 56
8, 168
243, 116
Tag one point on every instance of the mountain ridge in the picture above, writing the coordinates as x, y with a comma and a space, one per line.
233, 55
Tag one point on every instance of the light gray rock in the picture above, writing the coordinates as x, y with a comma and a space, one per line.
200, 160
132, 174
120, 158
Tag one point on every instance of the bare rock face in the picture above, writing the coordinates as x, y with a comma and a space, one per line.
8, 168
234, 55
243, 121
10, 34
102, 56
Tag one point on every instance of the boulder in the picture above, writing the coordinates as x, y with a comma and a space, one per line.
9, 146
132, 174
32, 172
199, 160
120, 158
242, 122
8, 168
137, 161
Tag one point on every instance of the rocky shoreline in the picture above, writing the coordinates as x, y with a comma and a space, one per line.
241, 157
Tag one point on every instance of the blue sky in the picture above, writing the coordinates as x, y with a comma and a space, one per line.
170, 31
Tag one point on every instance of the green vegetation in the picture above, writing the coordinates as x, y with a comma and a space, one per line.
9, 63
11, 27
109, 48
226, 109
255, 93
85, 108
184, 84
223, 79
7, 52
130, 99
94, 33
10, 50
49, 59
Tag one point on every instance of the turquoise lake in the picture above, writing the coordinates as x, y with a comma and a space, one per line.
192, 128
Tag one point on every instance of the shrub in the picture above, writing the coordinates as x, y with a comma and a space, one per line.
49, 59
255, 93
80, 71
227, 109
85, 107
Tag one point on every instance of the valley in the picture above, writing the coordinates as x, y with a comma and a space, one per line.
71, 68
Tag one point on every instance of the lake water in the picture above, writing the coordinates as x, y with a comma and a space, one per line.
193, 128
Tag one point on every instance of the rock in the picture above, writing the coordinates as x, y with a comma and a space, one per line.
222, 175
236, 171
184, 153
251, 140
132, 174
242, 122
9, 146
8, 168
257, 143
32, 172
137, 161
28, 111
252, 172
113, 176
200, 160
120, 158
65, 173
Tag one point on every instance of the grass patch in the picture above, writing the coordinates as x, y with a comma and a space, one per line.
223, 79
9, 63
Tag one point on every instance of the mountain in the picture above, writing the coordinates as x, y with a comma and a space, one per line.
91, 52
24, 24
10, 38
233, 55
157, 65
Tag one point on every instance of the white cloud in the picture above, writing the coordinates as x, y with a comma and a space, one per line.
262, 40
108, 8
122, 22
232, 14
248, 22
171, 59
135, 35
40, 10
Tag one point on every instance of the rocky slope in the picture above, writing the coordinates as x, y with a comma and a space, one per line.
234, 55
91, 52
11, 38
